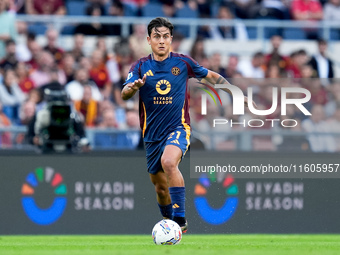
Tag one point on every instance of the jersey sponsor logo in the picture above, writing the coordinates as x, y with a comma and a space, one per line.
129, 76
163, 87
162, 100
175, 71
149, 73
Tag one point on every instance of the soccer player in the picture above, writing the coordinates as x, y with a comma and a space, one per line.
162, 79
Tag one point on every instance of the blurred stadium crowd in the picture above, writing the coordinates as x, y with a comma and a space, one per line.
243, 9
94, 81
303, 10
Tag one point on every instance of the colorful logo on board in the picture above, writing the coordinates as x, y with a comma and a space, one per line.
37, 183
216, 216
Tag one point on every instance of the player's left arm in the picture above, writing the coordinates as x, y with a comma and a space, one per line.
215, 78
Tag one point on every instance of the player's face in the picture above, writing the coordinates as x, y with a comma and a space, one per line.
160, 41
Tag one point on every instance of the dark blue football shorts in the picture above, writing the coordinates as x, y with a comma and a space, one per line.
154, 150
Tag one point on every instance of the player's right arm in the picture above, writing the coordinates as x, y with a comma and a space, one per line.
215, 78
131, 88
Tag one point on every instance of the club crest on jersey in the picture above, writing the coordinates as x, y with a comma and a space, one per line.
175, 70
163, 87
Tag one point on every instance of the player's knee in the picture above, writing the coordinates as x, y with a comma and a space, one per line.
168, 164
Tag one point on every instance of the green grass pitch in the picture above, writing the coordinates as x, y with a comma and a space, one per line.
190, 245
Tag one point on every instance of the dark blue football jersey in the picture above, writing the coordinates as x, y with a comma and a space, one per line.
164, 99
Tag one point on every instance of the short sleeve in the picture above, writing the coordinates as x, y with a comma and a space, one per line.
194, 69
133, 73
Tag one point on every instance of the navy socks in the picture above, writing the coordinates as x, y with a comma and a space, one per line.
177, 195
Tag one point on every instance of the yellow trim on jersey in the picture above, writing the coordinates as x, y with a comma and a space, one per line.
144, 125
186, 128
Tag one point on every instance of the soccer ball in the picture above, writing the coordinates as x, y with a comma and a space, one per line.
166, 232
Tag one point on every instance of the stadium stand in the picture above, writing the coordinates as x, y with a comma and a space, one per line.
152, 10
76, 8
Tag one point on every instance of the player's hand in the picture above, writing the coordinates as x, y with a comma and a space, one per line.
246, 102
138, 83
